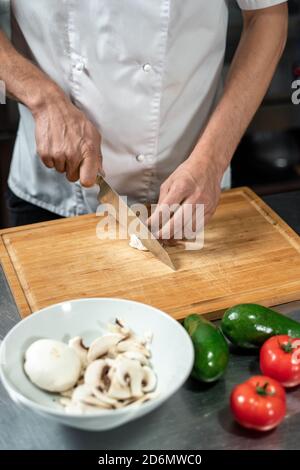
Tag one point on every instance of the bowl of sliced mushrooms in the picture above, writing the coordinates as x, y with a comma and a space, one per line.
95, 363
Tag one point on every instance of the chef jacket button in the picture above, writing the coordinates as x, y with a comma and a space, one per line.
140, 158
80, 66
147, 67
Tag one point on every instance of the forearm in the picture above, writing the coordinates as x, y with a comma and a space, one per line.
262, 43
65, 139
23, 80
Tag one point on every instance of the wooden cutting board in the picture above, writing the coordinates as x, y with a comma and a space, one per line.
250, 255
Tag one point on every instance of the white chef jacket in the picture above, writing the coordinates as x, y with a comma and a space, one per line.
147, 73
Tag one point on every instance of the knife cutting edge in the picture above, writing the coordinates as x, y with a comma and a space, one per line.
108, 195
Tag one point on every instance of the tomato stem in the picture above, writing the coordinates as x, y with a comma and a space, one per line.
287, 347
262, 390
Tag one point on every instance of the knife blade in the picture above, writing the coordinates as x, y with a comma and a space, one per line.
108, 195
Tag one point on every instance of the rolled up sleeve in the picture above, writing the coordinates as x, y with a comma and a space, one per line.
257, 4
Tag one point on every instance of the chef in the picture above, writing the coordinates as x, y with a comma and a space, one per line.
131, 89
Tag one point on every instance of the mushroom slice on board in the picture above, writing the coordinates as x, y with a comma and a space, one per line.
136, 243
102, 345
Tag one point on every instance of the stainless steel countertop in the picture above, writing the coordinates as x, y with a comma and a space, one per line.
197, 417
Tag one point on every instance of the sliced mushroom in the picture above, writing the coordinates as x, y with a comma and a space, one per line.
85, 394
143, 399
129, 372
149, 380
136, 243
81, 350
133, 346
148, 337
114, 372
96, 373
67, 393
52, 365
136, 356
81, 407
104, 398
65, 401
102, 345
120, 328
78, 407
117, 390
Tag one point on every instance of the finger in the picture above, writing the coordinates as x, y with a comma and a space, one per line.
72, 174
154, 217
73, 162
174, 225
164, 212
207, 216
186, 222
193, 220
48, 161
60, 164
164, 189
89, 168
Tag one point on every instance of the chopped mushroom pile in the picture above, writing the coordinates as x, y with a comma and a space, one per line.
115, 371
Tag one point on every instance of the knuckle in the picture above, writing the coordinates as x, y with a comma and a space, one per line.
180, 186
86, 149
72, 157
59, 159
197, 197
91, 146
164, 186
41, 150
57, 155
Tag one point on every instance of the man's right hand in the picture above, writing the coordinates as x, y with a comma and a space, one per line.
67, 141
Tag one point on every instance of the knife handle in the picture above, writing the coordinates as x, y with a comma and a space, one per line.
99, 179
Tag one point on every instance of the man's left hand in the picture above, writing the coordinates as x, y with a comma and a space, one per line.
193, 182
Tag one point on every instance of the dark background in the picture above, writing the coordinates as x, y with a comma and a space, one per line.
268, 158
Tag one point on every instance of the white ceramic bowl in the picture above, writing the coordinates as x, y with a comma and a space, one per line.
172, 354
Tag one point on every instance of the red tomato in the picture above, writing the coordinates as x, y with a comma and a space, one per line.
259, 403
280, 359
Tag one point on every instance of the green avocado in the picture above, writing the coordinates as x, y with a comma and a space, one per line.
211, 348
250, 325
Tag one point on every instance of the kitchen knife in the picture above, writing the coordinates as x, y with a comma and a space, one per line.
107, 195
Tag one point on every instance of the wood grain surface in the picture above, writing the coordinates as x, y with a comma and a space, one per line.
250, 255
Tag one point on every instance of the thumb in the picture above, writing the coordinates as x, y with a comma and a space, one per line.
90, 166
